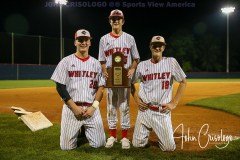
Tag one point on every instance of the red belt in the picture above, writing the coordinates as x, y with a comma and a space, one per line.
83, 104
154, 108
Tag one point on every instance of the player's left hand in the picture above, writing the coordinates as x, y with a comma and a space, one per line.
89, 112
167, 107
130, 73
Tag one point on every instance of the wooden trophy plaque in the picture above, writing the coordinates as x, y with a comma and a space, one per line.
117, 74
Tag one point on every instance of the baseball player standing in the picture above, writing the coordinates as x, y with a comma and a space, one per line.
80, 83
155, 96
118, 41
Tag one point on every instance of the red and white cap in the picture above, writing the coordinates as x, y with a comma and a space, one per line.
116, 13
158, 39
82, 33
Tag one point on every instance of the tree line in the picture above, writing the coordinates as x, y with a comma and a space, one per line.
205, 52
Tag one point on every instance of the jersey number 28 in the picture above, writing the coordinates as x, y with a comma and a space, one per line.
93, 84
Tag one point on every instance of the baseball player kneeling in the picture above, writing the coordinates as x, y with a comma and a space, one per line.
80, 83
155, 96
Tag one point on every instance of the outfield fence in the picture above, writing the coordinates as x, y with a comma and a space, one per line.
24, 71
28, 49
31, 71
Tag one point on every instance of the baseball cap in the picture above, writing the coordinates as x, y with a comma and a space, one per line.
82, 33
116, 13
158, 39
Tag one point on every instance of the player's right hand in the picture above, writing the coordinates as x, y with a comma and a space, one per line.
142, 106
105, 74
78, 112
130, 73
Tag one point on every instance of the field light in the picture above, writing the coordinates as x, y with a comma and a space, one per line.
227, 11
61, 2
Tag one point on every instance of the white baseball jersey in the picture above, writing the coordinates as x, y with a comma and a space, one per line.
110, 44
81, 77
156, 87
118, 97
157, 79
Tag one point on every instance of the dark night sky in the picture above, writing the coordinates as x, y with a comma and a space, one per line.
35, 18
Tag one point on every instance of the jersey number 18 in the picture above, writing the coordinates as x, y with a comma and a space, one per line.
165, 84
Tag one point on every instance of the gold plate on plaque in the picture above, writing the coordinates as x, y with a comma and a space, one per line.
117, 75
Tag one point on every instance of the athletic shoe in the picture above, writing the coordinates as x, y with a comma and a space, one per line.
125, 143
110, 142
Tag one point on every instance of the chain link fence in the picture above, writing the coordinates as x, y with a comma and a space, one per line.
26, 49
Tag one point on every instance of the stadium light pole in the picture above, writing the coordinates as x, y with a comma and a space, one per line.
61, 3
227, 11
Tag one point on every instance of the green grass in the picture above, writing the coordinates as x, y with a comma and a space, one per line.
228, 103
18, 142
6, 84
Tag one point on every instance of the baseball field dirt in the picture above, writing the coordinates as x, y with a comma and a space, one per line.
191, 122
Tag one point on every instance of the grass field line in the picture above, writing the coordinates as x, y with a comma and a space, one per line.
37, 84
